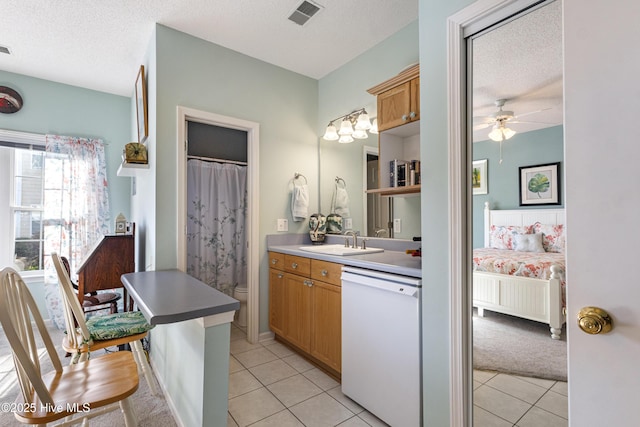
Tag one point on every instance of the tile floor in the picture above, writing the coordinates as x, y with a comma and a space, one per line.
270, 385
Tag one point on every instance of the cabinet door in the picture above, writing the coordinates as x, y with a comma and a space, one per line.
394, 106
297, 303
326, 324
414, 111
276, 302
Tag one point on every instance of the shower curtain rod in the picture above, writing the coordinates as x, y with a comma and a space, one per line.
213, 159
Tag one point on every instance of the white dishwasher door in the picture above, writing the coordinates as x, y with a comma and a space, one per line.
381, 355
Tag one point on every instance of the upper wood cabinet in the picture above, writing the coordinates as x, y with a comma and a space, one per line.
398, 99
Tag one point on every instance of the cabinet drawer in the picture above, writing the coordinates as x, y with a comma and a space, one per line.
297, 264
276, 260
325, 271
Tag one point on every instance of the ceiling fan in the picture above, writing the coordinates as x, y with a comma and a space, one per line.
498, 120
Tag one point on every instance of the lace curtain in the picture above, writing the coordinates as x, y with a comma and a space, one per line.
76, 206
216, 212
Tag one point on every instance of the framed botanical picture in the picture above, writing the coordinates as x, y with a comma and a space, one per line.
141, 106
479, 177
540, 184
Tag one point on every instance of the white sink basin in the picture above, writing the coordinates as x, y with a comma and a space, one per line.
339, 250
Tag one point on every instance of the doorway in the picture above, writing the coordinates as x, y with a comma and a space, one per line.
186, 116
464, 24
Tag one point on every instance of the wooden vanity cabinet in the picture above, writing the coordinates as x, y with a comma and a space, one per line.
305, 307
398, 99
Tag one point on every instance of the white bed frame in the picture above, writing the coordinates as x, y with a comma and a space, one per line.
533, 299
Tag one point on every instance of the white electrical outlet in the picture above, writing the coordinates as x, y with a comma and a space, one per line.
397, 225
283, 224
348, 224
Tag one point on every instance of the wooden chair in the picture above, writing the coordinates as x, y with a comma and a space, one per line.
66, 391
94, 301
99, 332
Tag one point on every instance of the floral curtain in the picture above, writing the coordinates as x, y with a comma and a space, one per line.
216, 212
76, 206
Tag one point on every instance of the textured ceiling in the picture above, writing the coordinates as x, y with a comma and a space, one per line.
520, 62
100, 44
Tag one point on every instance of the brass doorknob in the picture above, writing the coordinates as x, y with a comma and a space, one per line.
594, 320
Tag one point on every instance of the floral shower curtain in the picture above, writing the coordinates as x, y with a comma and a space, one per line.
216, 212
76, 206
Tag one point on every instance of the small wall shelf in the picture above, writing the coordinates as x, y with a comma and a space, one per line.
131, 169
396, 191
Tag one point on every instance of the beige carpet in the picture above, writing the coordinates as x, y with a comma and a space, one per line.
150, 410
517, 346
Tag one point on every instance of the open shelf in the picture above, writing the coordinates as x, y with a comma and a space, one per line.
131, 169
396, 191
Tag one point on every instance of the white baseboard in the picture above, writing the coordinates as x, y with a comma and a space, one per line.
266, 336
167, 398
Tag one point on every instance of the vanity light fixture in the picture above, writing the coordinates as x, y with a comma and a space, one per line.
352, 125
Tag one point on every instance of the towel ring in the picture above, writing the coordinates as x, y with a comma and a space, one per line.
338, 180
299, 175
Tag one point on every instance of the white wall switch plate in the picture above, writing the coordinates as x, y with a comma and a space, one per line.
283, 224
397, 225
348, 224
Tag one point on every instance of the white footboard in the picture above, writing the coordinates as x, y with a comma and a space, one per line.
533, 299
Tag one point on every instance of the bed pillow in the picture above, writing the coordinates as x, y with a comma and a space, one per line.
501, 236
528, 242
553, 239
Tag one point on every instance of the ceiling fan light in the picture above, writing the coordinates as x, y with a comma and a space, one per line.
363, 122
331, 133
508, 133
345, 139
496, 133
346, 128
360, 134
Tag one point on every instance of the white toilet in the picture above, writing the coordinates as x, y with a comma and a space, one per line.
240, 293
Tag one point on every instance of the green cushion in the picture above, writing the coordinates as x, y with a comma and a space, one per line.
117, 325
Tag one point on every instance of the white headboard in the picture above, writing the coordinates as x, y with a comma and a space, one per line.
519, 217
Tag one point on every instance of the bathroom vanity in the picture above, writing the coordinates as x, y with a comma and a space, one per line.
305, 293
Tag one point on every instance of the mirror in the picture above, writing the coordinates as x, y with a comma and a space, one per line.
516, 81
356, 164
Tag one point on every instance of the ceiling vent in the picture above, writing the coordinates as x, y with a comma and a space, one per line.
4, 49
304, 12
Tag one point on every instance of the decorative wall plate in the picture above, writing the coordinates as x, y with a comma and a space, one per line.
10, 100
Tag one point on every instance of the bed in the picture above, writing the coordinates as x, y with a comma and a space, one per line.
509, 279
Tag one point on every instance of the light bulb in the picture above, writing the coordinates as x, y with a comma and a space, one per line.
331, 134
363, 122
345, 128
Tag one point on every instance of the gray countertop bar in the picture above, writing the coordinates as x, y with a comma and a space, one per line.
394, 262
170, 296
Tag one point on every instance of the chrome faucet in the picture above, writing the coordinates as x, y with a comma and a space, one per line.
355, 237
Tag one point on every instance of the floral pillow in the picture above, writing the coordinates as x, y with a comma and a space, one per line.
501, 236
553, 239
528, 242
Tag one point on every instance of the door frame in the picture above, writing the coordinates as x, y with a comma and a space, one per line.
185, 114
470, 20
366, 150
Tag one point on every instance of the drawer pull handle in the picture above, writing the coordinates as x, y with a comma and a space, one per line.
324, 273
274, 261
294, 265
280, 275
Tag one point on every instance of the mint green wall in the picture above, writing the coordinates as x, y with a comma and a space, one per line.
187, 71
523, 149
61, 109
434, 100
345, 90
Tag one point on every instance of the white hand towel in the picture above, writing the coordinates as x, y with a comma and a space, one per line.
341, 205
300, 202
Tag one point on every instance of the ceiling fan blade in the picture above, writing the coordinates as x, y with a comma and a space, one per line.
531, 112
532, 123
481, 126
